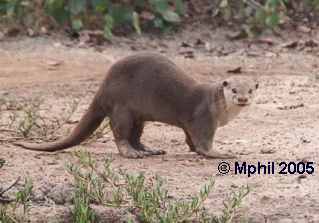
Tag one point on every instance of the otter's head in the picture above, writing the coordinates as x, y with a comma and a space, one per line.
239, 91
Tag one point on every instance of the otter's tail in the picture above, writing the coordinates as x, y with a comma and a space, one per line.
88, 123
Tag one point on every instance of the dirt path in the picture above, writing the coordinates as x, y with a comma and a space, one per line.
282, 125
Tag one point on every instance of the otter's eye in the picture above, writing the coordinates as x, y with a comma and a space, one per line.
250, 91
234, 90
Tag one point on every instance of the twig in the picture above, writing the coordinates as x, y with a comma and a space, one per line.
11, 139
255, 5
11, 186
4, 200
8, 130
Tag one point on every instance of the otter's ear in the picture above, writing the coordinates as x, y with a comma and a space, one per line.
257, 85
225, 83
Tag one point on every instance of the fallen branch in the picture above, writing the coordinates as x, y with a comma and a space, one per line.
2, 192
11, 186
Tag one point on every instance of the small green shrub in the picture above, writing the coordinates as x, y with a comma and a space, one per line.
148, 197
270, 14
26, 120
82, 213
8, 210
252, 14
256, 16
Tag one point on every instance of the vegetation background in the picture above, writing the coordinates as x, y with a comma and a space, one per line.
123, 17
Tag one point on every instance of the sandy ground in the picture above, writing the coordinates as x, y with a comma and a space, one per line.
281, 125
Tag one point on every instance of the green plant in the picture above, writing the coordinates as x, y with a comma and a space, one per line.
313, 4
23, 196
154, 202
231, 204
5, 217
148, 197
271, 13
27, 121
8, 211
24, 116
24, 12
2, 162
95, 14
254, 15
82, 213
111, 16
108, 15
164, 15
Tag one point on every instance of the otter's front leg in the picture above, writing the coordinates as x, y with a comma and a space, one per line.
201, 133
135, 140
189, 142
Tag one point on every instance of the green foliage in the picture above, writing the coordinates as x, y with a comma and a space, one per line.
57, 9
18, 11
252, 13
103, 14
111, 15
23, 196
230, 207
2, 162
27, 121
82, 213
258, 15
8, 211
271, 13
148, 197
313, 4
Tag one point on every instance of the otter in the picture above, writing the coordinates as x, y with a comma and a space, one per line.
150, 87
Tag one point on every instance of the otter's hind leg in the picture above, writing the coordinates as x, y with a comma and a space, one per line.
121, 123
135, 140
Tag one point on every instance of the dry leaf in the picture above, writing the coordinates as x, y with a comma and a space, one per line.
267, 151
291, 45
304, 29
146, 15
236, 70
185, 44
311, 43
31, 32
290, 107
242, 34
54, 63
199, 42
12, 32
187, 53
268, 41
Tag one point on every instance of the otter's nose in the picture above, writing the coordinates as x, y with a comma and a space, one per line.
242, 100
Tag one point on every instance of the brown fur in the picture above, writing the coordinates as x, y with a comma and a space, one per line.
149, 87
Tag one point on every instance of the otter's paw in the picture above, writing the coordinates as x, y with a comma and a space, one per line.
217, 155
149, 152
132, 154
153, 152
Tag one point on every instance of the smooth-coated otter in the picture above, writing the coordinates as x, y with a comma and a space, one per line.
150, 87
